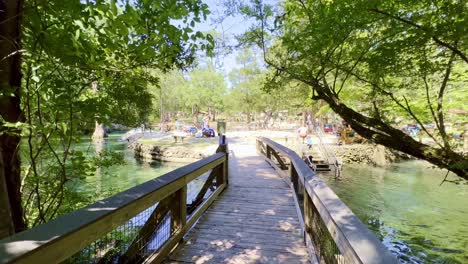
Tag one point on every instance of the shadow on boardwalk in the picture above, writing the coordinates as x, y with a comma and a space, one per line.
253, 221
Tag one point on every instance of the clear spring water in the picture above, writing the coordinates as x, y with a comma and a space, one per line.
114, 179
404, 204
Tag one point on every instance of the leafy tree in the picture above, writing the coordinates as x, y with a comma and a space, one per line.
398, 58
167, 94
250, 95
246, 95
199, 90
206, 90
68, 46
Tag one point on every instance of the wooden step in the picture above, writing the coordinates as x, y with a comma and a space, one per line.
323, 167
319, 162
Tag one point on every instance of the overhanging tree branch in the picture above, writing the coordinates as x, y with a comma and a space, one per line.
453, 48
440, 101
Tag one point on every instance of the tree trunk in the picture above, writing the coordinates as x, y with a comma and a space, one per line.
381, 133
161, 112
207, 120
98, 148
304, 117
10, 109
268, 116
465, 140
309, 122
195, 118
6, 223
99, 133
195, 114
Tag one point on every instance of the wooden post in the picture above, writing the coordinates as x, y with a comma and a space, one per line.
179, 210
307, 214
293, 177
222, 140
220, 173
221, 148
281, 163
268, 154
223, 173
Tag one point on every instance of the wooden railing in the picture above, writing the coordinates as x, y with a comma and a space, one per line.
142, 224
332, 232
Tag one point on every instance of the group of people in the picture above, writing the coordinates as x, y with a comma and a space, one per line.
205, 131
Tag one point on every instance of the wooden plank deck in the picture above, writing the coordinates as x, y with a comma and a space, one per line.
253, 221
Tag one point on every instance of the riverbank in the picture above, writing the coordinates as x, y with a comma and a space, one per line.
162, 147
370, 154
166, 149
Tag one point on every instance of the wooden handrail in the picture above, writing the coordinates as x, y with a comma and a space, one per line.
355, 242
61, 238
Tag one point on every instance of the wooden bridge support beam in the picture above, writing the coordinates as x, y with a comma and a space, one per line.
179, 210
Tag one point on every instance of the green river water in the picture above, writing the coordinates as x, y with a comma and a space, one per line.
417, 219
118, 178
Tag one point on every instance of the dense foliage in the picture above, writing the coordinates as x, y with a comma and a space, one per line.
193, 93
87, 62
401, 59
248, 96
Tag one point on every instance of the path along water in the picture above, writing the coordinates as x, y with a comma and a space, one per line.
404, 205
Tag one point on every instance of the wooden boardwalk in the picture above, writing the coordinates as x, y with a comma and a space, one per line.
253, 221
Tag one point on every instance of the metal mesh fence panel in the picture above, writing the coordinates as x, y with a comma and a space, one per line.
112, 247
325, 246
138, 238
159, 236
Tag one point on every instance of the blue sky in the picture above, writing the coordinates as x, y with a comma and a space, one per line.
230, 27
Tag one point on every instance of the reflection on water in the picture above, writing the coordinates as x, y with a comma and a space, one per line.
417, 219
114, 179
111, 180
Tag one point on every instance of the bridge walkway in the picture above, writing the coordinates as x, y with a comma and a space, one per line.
253, 221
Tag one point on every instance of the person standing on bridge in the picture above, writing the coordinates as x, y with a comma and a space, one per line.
302, 131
